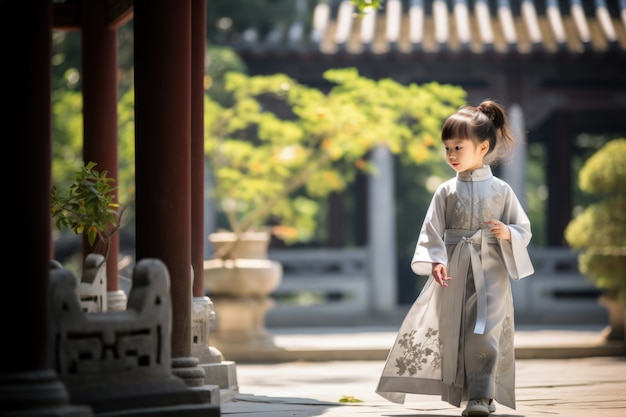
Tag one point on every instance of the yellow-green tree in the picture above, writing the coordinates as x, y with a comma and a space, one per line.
281, 146
599, 232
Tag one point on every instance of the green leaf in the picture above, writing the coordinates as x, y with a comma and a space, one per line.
349, 399
87, 206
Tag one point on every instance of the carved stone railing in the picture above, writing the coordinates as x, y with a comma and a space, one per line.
320, 284
557, 293
121, 360
330, 286
93, 285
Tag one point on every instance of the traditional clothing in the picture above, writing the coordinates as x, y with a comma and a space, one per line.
457, 341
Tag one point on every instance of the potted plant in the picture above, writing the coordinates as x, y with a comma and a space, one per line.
599, 232
88, 208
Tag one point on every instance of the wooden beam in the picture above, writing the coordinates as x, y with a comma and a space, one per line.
66, 15
119, 12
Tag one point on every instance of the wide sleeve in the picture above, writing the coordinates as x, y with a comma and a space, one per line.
515, 252
430, 247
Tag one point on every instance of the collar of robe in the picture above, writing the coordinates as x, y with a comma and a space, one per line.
479, 174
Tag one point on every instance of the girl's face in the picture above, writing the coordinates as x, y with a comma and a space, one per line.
464, 154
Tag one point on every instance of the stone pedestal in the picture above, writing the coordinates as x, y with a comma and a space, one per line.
241, 323
240, 289
217, 371
616, 329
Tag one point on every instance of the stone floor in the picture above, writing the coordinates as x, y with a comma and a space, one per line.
587, 379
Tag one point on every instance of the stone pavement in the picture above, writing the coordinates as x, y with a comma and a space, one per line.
587, 379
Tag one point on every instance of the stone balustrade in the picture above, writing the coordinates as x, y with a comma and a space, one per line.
121, 360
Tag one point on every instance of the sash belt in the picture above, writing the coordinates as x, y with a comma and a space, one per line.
465, 254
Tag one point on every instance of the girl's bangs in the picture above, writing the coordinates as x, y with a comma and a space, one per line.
456, 127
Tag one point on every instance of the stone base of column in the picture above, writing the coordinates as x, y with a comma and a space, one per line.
223, 374
187, 369
37, 394
116, 300
616, 330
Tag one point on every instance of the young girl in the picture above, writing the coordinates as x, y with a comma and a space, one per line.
457, 339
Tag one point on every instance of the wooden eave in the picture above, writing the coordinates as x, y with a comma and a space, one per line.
66, 14
457, 27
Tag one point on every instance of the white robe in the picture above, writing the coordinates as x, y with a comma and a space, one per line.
457, 342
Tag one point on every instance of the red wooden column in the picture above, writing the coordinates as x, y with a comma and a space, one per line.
99, 60
26, 128
198, 45
28, 383
162, 150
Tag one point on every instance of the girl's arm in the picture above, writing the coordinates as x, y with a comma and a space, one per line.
430, 247
515, 249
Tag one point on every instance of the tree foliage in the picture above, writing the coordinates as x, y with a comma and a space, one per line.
280, 137
605, 172
87, 206
363, 6
600, 230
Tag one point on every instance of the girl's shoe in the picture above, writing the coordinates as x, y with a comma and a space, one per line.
478, 407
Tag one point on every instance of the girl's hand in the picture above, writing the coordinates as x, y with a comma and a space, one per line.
499, 229
440, 273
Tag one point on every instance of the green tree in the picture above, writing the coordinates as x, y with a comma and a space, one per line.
87, 207
281, 147
600, 230
67, 135
220, 61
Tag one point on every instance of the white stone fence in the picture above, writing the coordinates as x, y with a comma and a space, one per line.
334, 286
320, 284
557, 293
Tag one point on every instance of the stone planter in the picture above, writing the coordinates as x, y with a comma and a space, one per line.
240, 289
617, 316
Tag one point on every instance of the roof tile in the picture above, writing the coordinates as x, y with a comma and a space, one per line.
454, 26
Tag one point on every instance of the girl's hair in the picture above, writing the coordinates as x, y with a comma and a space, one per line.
488, 121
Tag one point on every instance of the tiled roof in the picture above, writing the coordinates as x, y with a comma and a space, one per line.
452, 26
